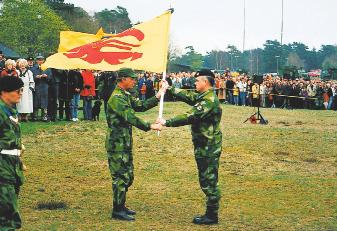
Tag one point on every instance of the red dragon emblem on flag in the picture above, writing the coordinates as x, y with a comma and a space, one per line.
93, 54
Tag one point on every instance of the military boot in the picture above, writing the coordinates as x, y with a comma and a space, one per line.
120, 214
129, 211
210, 217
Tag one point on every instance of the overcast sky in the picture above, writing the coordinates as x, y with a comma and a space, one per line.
214, 24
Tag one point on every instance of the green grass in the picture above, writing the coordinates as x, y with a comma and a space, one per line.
280, 176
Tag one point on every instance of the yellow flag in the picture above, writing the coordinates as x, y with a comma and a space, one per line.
71, 39
142, 47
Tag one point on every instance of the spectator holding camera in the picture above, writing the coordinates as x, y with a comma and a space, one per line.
88, 93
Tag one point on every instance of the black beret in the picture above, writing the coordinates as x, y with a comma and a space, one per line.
205, 72
10, 83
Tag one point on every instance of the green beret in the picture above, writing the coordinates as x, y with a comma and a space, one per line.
10, 83
126, 72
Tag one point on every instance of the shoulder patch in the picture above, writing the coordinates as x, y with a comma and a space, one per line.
199, 106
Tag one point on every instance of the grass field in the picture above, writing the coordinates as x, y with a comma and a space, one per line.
282, 176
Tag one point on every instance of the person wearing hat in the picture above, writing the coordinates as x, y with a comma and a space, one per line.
11, 167
41, 79
30, 61
204, 118
121, 117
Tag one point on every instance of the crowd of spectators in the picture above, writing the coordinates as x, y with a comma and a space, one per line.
51, 94
274, 91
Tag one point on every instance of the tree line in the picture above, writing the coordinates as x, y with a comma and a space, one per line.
32, 26
268, 59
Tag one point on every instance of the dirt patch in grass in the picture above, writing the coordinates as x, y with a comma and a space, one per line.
51, 205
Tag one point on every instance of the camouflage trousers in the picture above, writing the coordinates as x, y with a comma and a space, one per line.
9, 213
208, 167
121, 170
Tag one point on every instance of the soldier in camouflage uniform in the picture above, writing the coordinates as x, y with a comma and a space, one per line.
120, 118
11, 173
205, 117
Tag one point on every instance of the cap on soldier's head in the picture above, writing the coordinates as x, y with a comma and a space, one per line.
126, 72
205, 72
30, 58
39, 57
10, 83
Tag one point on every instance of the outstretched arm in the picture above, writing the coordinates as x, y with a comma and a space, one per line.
121, 107
140, 106
187, 96
196, 114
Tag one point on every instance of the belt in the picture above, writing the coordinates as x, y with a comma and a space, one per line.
12, 152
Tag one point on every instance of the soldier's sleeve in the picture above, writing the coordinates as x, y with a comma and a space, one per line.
122, 108
198, 112
140, 106
186, 96
4, 141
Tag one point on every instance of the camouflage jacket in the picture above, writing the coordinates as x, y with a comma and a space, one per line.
204, 117
121, 117
10, 138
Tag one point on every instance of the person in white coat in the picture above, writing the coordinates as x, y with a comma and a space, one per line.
25, 106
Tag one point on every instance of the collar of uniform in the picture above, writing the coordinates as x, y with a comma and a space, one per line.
202, 95
5, 106
123, 91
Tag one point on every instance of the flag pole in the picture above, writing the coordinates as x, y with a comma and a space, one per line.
161, 104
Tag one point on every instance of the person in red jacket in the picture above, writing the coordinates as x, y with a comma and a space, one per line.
88, 93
